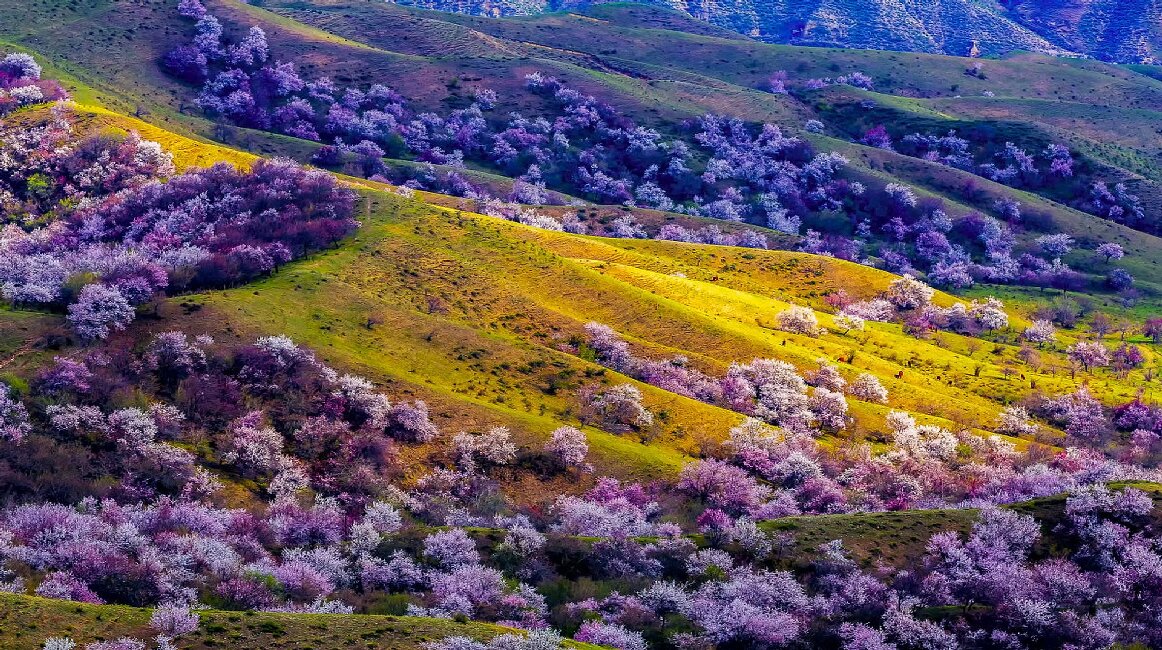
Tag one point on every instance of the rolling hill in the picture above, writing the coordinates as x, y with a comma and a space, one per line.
470, 313
510, 294
484, 318
659, 77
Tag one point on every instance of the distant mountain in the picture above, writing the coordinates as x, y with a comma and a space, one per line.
951, 27
1127, 31
1112, 30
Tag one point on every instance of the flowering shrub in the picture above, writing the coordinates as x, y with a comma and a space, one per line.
829, 408
1041, 332
14, 424
617, 408
99, 309
1089, 354
1015, 421
608, 510
451, 548
493, 446
847, 322
909, 293
798, 320
534, 640
269, 411
610, 635
774, 390
109, 208
112, 458
722, 486
21, 85
727, 170
172, 621
1011, 165
568, 445
868, 388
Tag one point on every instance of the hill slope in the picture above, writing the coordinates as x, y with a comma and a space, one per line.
26, 621
470, 313
489, 322
1109, 30
530, 290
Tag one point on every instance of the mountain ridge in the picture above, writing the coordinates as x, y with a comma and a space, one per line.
1124, 32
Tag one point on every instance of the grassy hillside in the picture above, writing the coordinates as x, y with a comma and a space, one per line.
532, 289
471, 313
616, 35
656, 67
484, 318
26, 621
891, 539
899, 539
947, 183
1121, 145
653, 68
659, 77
